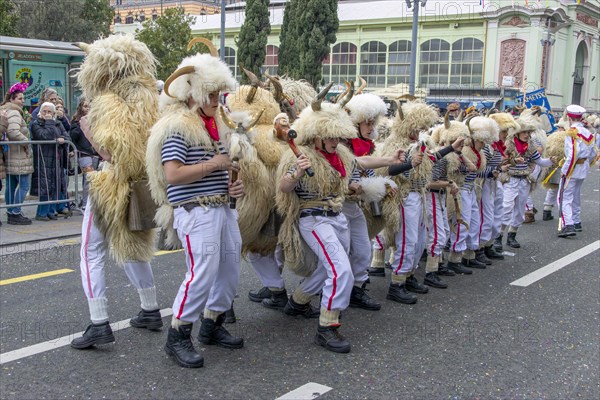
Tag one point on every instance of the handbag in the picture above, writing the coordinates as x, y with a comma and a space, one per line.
141, 207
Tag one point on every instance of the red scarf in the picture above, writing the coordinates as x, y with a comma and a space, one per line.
478, 156
211, 127
521, 146
335, 162
500, 146
362, 147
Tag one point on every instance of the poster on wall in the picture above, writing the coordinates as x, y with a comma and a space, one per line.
39, 76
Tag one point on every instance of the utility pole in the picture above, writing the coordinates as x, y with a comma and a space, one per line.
414, 44
222, 30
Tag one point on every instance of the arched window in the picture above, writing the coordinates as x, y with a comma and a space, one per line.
129, 18
342, 63
142, 16
467, 62
118, 19
203, 11
434, 65
372, 63
229, 59
154, 14
399, 62
271, 60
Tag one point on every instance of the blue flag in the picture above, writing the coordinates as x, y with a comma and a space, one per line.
538, 98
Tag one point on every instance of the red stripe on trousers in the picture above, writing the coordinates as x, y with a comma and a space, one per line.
379, 242
435, 227
403, 242
85, 255
481, 218
332, 268
187, 285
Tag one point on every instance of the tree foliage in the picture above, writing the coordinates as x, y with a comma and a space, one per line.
319, 22
289, 57
9, 18
64, 20
252, 41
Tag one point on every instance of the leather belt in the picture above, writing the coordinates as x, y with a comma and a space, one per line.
580, 161
319, 213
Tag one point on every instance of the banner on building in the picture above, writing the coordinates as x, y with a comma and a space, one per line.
538, 98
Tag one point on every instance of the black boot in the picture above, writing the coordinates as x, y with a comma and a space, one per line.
578, 227
277, 301
498, 244
443, 270
179, 346
459, 269
473, 263
360, 299
376, 271
229, 317
94, 334
147, 319
511, 240
413, 285
547, 215
330, 338
18, 219
400, 294
432, 279
567, 231
491, 253
213, 332
481, 257
257, 296
306, 310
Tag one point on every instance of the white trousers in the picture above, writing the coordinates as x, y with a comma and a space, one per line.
516, 192
329, 239
268, 268
462, 238
438, 229
551, 198
498, 190
411, 238
212, 244
360, 246
487, 209
570, 202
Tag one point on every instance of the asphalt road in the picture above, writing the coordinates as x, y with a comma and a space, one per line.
480, 338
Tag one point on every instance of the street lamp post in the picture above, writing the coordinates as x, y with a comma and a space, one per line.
413, 46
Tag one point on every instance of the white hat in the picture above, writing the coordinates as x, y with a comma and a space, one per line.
575, 111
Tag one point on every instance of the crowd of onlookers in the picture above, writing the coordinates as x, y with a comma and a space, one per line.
42, 170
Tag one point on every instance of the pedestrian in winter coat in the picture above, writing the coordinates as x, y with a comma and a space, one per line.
48, 95
19, 157
48, 178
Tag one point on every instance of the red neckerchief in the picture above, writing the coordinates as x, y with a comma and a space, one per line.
362, 147
211, 127
334, 161
521, 146
478, 157
500, 146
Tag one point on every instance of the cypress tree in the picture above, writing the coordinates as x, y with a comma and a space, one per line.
252, 42
289, 55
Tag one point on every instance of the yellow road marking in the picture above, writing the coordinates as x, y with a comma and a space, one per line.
35, 276
163, 252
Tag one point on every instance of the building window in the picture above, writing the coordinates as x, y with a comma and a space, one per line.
372, 63
467, 62
203, 11
118, 19
341, 63
142, 16
434, 65
154, 14
129, 18
399, 62
229, 58
271, 60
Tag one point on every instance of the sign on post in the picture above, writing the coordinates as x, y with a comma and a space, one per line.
538, 98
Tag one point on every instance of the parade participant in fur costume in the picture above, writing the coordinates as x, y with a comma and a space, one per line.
551, 177
188, 168
506, 123
117, 76
580, 152
521, 155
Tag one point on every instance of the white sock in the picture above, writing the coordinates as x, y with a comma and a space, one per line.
98, 310
148, 298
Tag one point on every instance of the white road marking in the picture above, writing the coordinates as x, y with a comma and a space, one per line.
306, 392
556, 265
62, 342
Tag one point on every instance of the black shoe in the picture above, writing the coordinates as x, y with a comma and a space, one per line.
567, 231
229, 316
376, 271
498, 244
257, 296
330, 338
511, 240
482, 258
94, 334
18, 219
491, 253
443, 270
473, 263
578, 227
413, 285
179, 345
400, 294
277, 301
360, 299
459, 269
213, 332
147, 319
432, 279
547, 215
306, 310
52, 217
